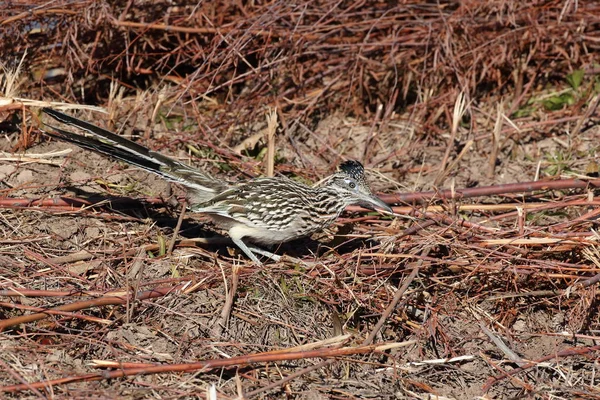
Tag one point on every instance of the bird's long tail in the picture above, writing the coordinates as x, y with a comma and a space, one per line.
110, 144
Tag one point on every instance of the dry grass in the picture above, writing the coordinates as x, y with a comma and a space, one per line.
469, 292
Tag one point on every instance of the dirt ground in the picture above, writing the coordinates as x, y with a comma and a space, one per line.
501, 298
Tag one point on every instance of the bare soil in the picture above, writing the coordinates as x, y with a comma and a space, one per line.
504, 303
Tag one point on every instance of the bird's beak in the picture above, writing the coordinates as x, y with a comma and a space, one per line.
375, 203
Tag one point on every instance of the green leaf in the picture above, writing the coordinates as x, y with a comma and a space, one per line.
523, 112
162, 245
558, 102
576, 78
596, 85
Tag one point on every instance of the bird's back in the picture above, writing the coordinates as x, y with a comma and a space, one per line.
273, 210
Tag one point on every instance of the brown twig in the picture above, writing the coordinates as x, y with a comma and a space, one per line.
222, 323
392, 306
81, 305
560, 354
177, 228
197, 366
523, 187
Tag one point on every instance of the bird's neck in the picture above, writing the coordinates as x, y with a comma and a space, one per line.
329, 202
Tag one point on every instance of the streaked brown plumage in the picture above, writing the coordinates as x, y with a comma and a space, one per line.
263, 210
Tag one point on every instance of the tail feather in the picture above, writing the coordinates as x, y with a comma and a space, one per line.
110, 144
105, 149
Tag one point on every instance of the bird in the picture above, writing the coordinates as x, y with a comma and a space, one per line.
262, 211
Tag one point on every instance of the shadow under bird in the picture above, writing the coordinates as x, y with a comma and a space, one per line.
264, 210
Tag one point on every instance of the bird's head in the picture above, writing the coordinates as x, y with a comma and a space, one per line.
349, 181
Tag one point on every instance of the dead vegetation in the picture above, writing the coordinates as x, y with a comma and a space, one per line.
472, 291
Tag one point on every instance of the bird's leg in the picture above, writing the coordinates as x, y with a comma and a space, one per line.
240, 243
251, 251
265, 253
278, 258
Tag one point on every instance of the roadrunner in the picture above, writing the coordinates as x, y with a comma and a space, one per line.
264, 210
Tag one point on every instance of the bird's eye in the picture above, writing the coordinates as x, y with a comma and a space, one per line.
352, 185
